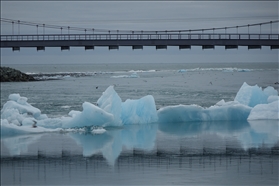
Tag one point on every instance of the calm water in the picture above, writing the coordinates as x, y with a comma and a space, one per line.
199, 153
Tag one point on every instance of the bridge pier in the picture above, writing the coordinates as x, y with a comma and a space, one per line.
254, 46
65, 48
231, 47
113, 47
161, 47
274, 47
208, 46
137, 47
40, 48
184, 47
89, 47
16, 48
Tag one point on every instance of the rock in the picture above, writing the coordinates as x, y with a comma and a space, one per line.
10, 75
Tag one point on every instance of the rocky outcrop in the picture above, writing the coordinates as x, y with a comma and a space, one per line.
9, 75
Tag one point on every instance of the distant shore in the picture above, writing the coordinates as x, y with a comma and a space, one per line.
8, 74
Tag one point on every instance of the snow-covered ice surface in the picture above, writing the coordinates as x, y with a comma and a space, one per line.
143, 123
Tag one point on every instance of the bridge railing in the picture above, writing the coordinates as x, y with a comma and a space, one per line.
136, 36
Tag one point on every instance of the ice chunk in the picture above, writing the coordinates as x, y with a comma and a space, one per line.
111, 103
253, 95
133, 75
182, 71
244, 70
265, 111
98, 130
139, 111
18, 109
14, 97
184, 113
22, 108
90, 116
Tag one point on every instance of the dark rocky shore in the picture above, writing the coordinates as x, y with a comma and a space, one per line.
12, 75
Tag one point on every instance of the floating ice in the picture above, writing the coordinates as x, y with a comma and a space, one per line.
136, 71
111, 111
251, 102
253, 95
139, 111
228, 70
237, 110
133, 75
265, 111
244, 70
91, 115
184, 113
111, 103
182, 71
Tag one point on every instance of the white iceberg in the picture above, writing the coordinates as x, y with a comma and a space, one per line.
265, 111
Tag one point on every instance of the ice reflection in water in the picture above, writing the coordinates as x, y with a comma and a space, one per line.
219, 152
196, 138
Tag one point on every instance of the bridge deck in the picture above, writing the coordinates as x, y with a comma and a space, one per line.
139, 40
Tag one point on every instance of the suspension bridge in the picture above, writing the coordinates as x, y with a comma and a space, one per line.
89, 38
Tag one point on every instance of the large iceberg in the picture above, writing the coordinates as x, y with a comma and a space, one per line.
111, 111
251, 102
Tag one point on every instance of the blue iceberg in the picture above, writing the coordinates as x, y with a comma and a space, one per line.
251, 102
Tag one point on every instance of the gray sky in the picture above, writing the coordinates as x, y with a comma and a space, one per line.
136, 15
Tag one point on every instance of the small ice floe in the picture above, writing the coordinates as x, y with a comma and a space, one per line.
244, 70
182, 71
98, 130
66, 107
133, 75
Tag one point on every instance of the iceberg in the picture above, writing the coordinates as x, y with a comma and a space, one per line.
253, 95
182, 71
111, 111
139, 111
111, 103
265, 111
185, 113
251, 102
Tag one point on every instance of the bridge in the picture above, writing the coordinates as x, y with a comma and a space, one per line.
113, 39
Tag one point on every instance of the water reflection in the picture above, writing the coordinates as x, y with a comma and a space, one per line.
196, 138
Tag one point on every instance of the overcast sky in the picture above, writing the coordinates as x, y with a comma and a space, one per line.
135, 15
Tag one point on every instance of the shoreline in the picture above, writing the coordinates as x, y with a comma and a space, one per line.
8, 74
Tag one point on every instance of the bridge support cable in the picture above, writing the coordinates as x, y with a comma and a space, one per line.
81, 29
230, 37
